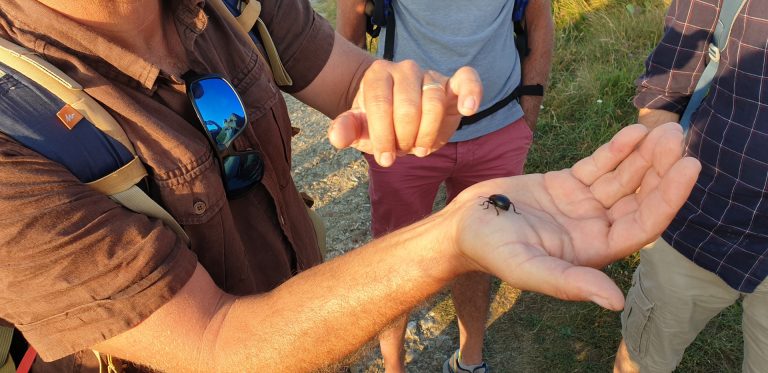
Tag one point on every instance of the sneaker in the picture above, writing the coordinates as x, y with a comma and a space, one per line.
452, 366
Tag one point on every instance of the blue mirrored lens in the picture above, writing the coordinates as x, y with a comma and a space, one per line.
220, 110
242, 171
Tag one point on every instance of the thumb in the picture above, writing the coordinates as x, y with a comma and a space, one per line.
560, 279
348, 129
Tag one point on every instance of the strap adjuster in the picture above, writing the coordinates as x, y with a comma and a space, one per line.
714, 53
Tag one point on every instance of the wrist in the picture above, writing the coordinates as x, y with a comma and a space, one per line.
450, 228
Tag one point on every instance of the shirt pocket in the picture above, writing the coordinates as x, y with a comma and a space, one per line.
194, 193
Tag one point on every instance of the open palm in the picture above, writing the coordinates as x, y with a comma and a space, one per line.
605, 207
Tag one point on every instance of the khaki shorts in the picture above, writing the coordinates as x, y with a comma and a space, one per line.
670, 302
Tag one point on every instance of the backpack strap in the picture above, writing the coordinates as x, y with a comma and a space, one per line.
385, 13
521, 90
115, 175
521, 32
728, 12
245, 15
25, 365
380, 14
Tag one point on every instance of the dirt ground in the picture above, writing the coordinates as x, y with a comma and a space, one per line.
338, 181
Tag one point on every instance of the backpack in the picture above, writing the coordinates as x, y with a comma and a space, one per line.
56, 118
728, 12
380, 13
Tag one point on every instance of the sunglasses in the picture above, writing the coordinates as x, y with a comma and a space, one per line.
222, 118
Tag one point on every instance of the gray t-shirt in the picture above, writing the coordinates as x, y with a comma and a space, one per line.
447, 34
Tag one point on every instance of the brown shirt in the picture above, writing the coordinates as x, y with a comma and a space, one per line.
77, 268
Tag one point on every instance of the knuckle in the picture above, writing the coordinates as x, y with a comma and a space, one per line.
410, 66
379, 65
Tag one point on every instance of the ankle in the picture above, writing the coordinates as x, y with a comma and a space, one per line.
470, 358
394, 368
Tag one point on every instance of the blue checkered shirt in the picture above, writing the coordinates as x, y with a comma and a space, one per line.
723, 226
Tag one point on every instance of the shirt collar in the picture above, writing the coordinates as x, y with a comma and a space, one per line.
37, 26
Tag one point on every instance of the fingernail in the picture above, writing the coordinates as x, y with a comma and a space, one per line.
603, 302
386, 159
469, 103
420, 152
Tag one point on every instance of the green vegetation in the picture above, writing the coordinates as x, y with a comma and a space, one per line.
600, 49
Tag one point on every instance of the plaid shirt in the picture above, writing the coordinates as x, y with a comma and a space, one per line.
723, 226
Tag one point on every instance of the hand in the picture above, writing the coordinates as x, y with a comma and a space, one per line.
400, 109
578, 218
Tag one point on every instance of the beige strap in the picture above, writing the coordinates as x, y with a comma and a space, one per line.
249, 14
106, 363
6, 363
320, 231
278, 70
121, 179
136, 200
119, 185
32, 66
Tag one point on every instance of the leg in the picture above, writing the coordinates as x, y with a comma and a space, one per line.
471, 297
405, 192
755, 328
391, 343
624, 363
670, 301
497, 154
400, 195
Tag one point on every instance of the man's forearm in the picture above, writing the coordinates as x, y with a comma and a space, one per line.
350, 21
335, 86
315, 318
351, 299
537, 65
652, 118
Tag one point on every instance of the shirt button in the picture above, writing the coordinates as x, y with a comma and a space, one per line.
199, 207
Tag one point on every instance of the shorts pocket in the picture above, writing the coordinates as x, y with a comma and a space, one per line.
635, 319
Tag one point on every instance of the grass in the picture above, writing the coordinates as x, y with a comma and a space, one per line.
600, 47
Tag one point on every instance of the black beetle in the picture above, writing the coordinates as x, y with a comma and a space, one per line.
498, 201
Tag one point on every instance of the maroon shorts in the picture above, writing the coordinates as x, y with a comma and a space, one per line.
404, 193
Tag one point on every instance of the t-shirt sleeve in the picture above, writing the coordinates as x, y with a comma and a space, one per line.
76, 267
303, 38
674, 66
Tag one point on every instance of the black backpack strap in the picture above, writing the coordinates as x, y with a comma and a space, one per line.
521, 90
389, 44
371, 27
521, 33
521, 43
521, 39
383, 15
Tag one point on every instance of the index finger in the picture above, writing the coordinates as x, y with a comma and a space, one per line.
608, 156
466, 90
441, 113
377, 104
